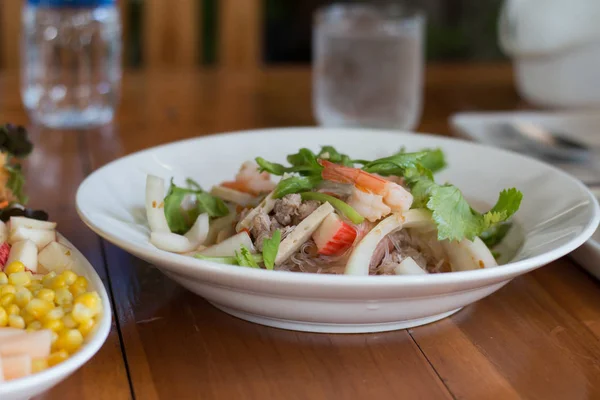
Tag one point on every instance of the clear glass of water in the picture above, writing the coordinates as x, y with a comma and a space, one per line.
70, 62
368, 65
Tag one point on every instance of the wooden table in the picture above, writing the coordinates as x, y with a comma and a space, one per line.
535, 338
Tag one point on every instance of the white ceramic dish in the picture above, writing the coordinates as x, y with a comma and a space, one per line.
26, 388
580, 125
556, 219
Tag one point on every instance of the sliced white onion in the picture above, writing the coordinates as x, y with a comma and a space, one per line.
219, 224
224, 234
418, 218
467, 255
234, 196
199, 231
171, 242
155, 207
229, 246
408, 266
358, 263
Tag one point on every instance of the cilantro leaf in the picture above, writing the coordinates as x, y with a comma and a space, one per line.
16, 182
296, 184
331, 154
495, 234
192, 184
272, 168
180, 220
395, 165
508, 203
454, 217
270, 249
244, 258
434, 160
305, 162
213, 206
231, 260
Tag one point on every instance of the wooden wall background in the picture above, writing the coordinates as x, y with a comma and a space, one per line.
250, 33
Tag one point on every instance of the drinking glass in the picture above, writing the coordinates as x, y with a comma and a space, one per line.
368, 65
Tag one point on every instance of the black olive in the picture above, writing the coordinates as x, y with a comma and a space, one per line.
18, 211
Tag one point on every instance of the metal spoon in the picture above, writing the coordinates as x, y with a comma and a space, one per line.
548, 144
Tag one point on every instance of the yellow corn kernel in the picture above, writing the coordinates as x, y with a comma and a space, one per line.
69, 340
27, 317
48, 278
19, 278
15, 266
39, 308
22, 297
34, 325
91, 300
13, 309
3, 317
35, 287
69, 322
86, 327
57, 357
38, 365
76, 290
55, 325
81, 281
70, 277
46, 294
7, 289
63, 297
16, 321
7, 299
54, 338
81, 313
58, 282
54, 314
3, 278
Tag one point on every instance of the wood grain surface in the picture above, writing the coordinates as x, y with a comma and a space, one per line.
536, 338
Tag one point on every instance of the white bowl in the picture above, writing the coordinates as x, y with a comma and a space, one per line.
560, 79
557, 215
33, 385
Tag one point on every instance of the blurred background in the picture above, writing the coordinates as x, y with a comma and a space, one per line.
250, 33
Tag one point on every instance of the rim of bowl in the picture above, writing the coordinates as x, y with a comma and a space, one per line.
260, 275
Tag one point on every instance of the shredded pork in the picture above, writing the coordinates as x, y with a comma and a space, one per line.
288, 212
423, 248
286, 208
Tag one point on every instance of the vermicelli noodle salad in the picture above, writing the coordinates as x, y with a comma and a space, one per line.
331, 214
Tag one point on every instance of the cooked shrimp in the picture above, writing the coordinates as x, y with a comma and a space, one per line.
249, 180
370, 206
371, 194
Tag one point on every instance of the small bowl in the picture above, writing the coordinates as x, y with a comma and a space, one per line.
33, 385
557, 215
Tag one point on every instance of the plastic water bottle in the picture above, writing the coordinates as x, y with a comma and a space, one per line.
71, 61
